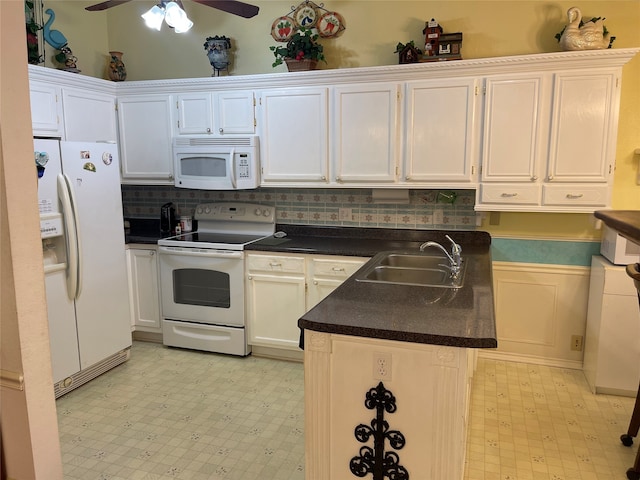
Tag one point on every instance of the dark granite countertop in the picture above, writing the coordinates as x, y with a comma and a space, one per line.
142, 231
461, 317
362, 242
627, 222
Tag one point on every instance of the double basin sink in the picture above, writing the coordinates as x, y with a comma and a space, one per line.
416, 268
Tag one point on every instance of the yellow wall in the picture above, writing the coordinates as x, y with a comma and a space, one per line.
490, 28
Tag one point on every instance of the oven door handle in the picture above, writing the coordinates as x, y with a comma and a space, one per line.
199, 252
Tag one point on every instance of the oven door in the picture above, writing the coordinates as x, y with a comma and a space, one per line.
202, 286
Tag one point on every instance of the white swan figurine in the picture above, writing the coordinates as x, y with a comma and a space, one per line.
589, 36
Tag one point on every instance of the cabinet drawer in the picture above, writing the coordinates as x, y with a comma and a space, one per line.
335, 268
575, 195
510, 194
275, 263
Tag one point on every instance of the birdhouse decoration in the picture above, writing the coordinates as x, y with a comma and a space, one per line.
439, 46
432, 32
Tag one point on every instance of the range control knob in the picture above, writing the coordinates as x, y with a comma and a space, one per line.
207, 210
258, 212
266, 212
199, 210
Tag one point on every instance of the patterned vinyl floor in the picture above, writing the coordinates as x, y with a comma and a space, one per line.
179, 414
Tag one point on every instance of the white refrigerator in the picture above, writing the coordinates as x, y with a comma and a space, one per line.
84, 254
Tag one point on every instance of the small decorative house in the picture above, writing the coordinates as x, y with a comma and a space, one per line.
440, 46
432, 32
409, 54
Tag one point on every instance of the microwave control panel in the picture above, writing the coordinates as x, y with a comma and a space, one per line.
244, 169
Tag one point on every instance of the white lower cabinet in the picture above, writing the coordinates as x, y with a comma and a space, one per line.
280, 288
144, 293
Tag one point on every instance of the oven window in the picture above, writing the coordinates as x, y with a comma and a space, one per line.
204, 166
207, 288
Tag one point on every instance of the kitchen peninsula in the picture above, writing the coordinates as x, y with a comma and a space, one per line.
409, 351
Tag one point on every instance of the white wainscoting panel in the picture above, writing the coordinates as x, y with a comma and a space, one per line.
538, 308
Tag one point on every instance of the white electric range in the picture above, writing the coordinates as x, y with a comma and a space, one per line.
202, 277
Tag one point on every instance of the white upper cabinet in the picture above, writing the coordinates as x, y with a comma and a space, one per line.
144, 123
89, 116
511, 147
293, 136
46, 109
582, 144
364, 135
549, 141
222, 113
439, 129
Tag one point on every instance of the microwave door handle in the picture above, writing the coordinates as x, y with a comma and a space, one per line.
232, 156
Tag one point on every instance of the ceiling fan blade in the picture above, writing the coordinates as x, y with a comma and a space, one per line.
231, 6
104, 5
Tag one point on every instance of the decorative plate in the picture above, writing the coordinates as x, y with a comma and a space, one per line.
282, 29
305, 16
330, 24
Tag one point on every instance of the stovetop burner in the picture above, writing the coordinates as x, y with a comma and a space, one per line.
228, 226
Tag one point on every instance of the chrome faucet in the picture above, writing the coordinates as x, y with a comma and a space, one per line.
455, 258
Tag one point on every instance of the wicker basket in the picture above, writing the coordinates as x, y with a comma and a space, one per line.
300, 65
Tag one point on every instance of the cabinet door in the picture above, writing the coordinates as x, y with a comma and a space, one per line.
365, 132
274, 305
511, 149
294, 136
46, 109
143, 289
583, 129
327, 273
89, 116
145, 139
439, 131
235, 112
194, 113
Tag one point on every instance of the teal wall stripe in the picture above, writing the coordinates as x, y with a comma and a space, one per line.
554, 252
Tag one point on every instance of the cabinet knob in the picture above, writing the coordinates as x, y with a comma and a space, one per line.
315, 282
407, 177
250, 277
221, 130
338, 179
171, 176
534, 178
208, 130
152, 252
323, 178
550, 177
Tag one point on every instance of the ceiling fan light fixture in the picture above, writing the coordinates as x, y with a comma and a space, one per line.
184, 25
153, 17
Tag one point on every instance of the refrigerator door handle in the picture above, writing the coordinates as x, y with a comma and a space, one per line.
70, 216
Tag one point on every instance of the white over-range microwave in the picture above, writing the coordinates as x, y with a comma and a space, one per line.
214, 163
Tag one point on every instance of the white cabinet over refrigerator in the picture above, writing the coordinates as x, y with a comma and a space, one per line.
85, 267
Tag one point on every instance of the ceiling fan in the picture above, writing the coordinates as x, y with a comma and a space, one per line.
241, 9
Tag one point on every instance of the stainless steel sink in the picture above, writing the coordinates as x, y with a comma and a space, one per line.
411, 269
413, 260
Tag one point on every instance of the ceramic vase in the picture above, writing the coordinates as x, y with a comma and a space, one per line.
117, 70
217, 49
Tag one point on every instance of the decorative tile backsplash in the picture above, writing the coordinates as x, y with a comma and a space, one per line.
336, 207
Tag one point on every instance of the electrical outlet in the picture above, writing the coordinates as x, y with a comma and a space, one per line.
438, 216
345, 214
382, 366
576, 342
